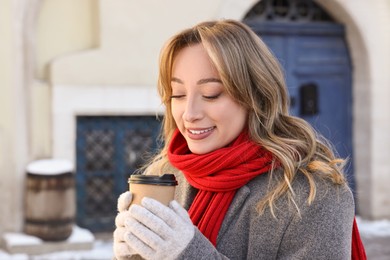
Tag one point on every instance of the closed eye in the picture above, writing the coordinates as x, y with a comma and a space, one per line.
211, 97
177, 96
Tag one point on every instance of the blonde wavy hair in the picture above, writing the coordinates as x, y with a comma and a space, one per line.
254, 79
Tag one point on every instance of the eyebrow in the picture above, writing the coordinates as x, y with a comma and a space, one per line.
207, 80
199, 82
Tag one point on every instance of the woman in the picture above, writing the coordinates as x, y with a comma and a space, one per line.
257, 182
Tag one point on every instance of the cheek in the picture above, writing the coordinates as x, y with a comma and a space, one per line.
176, 113
235, 120
229, 111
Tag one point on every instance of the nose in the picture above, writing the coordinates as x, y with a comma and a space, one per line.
193, 109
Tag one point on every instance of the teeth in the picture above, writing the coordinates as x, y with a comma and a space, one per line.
198, 132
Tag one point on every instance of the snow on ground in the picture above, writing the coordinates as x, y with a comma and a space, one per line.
78, 235
379, 228
102, 249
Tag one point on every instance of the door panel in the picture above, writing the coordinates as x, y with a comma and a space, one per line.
316, 53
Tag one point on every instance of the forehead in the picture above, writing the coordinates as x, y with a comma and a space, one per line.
193, 60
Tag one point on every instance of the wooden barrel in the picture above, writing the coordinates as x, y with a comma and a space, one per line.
50, 199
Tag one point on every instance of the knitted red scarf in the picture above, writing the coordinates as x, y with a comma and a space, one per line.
219, 174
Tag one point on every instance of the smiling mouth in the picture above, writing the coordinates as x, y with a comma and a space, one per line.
199, 132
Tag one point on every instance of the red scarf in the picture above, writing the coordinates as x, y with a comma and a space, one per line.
219, 174
358, 251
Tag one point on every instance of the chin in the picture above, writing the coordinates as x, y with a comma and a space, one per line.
201, 149
198, 151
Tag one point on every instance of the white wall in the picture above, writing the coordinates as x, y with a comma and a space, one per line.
13, 115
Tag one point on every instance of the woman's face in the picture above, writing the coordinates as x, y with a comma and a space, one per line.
205, 114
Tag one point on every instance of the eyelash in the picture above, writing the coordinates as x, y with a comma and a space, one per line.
212, 97
206, 97
177, 96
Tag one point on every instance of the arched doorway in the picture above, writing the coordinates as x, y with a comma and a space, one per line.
311, 47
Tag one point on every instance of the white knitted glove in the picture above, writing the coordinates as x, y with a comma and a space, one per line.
121, 250
156, 231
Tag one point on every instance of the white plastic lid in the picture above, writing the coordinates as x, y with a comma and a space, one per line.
50, 167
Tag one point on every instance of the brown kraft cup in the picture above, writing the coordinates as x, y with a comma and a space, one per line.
160, 188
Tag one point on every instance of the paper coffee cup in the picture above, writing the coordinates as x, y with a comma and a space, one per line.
161, 188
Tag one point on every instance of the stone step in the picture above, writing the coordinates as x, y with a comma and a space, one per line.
21, 243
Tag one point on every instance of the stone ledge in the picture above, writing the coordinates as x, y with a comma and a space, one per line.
16, 243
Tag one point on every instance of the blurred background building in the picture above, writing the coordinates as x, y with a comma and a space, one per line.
78, 82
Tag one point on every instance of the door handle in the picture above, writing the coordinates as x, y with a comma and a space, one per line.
309, 99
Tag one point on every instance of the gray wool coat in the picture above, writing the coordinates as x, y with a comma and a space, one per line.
322, 230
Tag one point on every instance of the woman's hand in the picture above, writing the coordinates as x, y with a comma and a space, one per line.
121, 250
155, 231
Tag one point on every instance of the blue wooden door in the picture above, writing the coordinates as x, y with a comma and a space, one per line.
108, 150
317, 67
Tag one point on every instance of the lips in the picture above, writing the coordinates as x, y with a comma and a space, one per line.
199, 133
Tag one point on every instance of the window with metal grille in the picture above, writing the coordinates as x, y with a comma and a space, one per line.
108, 150
288, 10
